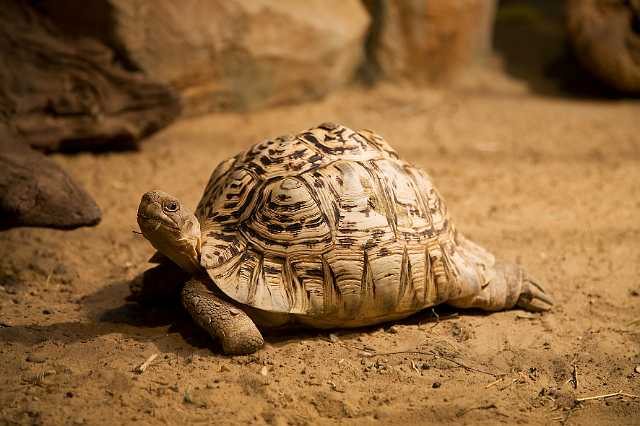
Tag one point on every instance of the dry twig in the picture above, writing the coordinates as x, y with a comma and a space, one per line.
607, 395
574, 376
494, 383
509, 385
433, 354
140, 369
462, 412
634, 322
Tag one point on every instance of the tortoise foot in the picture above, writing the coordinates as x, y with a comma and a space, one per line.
221, 319
533, 296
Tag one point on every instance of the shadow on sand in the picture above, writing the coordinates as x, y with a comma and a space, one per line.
169, 326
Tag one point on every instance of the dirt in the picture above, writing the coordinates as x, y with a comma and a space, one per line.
548, 181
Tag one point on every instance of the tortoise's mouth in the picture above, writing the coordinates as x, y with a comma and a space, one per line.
153, 223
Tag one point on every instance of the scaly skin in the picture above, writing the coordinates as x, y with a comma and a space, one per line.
221, 319
329, 228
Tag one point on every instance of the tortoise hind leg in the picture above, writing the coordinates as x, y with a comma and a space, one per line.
484, 283
221, 319
510, 287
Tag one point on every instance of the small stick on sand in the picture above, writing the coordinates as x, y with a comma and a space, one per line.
634, 322
433, 354
512, 382
605, 396
494, 383
574, 376
140, 369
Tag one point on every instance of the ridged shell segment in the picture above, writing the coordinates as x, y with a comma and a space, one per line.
330, 225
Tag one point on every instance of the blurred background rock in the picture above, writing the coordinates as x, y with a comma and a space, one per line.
104, 74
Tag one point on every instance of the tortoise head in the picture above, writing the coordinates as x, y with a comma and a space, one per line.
171, 228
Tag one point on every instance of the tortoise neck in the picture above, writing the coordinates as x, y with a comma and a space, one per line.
186, 253
181, 245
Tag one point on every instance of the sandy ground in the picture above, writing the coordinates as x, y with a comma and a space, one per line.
550, 182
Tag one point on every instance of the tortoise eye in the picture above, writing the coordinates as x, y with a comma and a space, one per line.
171, 206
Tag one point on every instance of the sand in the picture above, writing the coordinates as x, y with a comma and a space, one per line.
547, 181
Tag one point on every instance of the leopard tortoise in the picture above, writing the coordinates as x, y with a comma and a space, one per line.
328, 228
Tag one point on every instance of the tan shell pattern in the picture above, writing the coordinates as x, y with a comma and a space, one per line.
329, 224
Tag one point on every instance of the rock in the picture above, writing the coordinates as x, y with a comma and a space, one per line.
228, 54
606, 39
62, 94
35, 191
428, 41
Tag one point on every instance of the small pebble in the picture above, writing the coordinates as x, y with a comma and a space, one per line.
334, 338
224, 368
264, 371
637, 369
436, 385
393, 329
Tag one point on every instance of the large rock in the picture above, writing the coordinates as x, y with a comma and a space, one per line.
35, 191
67, 94
228, 54
429, 41
606, 39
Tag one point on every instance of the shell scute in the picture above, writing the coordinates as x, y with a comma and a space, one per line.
288, 219
328, 224
339, 142
283, 156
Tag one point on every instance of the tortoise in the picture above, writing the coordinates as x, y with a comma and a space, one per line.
325, 229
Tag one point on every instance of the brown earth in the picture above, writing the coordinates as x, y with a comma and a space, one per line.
551, 182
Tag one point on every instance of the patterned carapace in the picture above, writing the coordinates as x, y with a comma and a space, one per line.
327, 223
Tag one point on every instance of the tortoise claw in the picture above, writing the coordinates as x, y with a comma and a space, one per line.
533, 297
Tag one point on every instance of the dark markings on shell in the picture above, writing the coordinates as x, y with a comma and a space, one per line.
309, 137
315, 157
220, 236
327, 223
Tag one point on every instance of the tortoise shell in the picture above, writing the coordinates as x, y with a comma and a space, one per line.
329, 223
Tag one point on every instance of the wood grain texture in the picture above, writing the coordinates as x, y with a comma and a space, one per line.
329, 225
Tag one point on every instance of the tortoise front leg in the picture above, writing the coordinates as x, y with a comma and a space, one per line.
159, 284
221, 319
